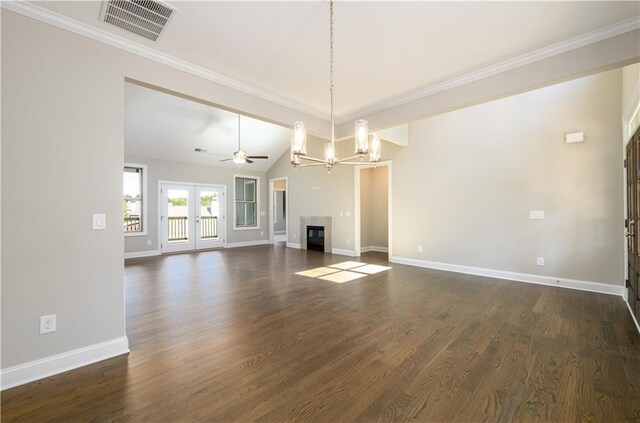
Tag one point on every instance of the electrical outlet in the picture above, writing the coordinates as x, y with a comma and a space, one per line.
419, 248
261, 233
294, 236
536, 214
348, 241
47, 324
148, 242
540, 261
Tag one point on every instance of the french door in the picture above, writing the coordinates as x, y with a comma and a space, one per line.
632, 222
191, 217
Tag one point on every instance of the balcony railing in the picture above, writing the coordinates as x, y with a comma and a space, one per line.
208, 227
178, 228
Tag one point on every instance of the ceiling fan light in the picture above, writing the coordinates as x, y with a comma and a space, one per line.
239, 160
299, 145
374, 152
362, 136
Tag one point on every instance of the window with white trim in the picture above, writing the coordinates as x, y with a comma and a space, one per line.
134, 191
246, 202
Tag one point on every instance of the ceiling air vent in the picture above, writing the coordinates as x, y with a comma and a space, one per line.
146, 18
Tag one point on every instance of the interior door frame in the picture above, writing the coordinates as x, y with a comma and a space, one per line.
286, 199
224, 208
356, 207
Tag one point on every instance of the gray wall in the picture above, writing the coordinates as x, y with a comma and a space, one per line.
63, 153
464, 186
162, 170
374, 211
313, 191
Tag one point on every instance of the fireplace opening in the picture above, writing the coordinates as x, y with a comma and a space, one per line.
315, 238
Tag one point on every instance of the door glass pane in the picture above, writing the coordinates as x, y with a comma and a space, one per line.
209, 212
178, 215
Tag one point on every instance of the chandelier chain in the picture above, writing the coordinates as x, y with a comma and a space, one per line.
331, 43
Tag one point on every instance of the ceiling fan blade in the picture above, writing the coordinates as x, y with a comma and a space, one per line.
249, 160
226, 160
257, 157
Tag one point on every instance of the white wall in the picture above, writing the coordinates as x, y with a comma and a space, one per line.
163, 170
374, 210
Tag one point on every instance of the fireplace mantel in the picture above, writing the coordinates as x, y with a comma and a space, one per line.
317, 221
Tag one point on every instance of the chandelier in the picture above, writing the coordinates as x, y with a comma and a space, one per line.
364, 143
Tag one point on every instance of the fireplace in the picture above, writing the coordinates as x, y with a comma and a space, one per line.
316, 222
315, 238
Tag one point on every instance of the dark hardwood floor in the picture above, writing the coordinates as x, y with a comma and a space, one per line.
236, 336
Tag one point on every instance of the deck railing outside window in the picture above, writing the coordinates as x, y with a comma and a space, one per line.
132, 224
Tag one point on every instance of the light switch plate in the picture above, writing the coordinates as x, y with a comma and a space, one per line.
99, 222
536, 214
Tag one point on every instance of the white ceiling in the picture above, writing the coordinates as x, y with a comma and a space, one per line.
383, 49
167, 127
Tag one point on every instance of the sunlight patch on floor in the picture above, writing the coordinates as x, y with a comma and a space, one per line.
342, 277
318, 271
344, 272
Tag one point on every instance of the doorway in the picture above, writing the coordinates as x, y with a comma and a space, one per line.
278, 204
372, 211
191, 217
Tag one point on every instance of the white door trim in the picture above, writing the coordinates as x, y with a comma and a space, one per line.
356, 206
159, 208
286, 219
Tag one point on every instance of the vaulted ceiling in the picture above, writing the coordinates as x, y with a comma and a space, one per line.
384, 50
168, 127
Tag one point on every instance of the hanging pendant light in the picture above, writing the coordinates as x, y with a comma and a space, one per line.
363, 145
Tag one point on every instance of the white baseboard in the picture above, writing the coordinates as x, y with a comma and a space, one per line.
295, 245
246, 243
632, 316
603, 288
373, 248
338, 251
137, 254
52, 365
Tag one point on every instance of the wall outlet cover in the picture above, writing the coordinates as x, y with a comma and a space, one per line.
540, 261
419, 248
536, 214
47, 324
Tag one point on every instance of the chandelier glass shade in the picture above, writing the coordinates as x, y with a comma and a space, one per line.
364, 142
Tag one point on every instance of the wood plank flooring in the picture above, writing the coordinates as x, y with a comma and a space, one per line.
236, 336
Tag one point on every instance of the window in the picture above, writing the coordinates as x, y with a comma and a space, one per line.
134, 207
246, 202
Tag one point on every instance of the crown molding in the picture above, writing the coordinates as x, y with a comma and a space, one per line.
47, 16
583, 40
44, 15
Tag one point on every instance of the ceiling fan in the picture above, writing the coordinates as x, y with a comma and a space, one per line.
240, 156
